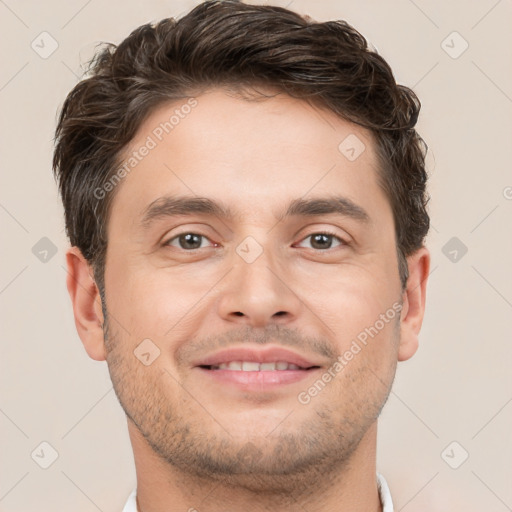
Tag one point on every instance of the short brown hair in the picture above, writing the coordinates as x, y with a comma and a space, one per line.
231, 44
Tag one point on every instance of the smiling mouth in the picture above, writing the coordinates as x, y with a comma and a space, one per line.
254, 366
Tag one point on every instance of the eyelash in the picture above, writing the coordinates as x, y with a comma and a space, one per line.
327, 233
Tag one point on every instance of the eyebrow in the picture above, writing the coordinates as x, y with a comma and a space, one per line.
170, 206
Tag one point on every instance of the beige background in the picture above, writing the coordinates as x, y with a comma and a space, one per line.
458, 385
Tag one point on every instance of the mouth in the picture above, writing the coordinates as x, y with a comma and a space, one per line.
256, 369
255, 366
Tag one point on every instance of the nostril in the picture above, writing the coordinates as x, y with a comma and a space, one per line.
279, 313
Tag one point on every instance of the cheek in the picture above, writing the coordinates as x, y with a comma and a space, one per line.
360, 309
154, 303
351, 298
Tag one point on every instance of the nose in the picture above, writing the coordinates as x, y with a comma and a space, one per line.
259, 293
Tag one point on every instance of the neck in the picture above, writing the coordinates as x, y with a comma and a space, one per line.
350, 486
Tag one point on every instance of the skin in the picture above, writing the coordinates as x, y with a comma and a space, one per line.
188, 431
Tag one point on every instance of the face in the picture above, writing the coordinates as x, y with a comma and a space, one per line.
252, 287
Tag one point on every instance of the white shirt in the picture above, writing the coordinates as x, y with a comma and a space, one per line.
382, 486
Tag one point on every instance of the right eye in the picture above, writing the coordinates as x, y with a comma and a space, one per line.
187, 241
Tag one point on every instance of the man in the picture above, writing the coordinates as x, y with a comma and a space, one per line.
244, 193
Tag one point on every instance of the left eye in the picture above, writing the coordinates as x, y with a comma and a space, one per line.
187, 241
323, 241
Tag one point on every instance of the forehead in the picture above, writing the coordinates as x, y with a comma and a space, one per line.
251, 155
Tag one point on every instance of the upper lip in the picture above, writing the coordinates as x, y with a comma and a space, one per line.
267, 355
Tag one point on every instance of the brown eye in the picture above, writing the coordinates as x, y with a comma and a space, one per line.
187, 241
322, 241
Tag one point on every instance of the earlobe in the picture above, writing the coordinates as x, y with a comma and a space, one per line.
86, 302
413, 309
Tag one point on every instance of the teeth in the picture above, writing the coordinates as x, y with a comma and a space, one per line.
252, 366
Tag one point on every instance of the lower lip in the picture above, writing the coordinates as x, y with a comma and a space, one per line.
260, 380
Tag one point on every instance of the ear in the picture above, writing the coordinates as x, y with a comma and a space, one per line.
413, 308
86, 301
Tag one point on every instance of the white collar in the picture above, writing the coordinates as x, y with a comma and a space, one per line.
385, 495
